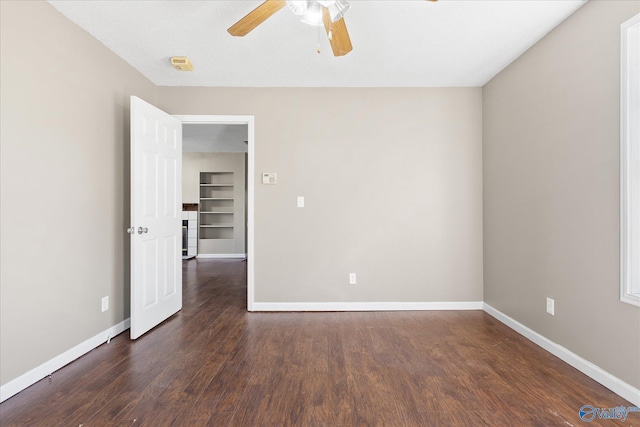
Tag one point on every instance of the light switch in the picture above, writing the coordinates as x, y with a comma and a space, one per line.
301, 201
269, 178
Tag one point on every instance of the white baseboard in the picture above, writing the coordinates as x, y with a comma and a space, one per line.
613, 383
365, 306
221, 256
36, 374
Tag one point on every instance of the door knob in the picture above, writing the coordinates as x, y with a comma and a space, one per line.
131, 230
142, 230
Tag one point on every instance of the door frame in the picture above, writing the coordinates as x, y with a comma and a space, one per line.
249, 121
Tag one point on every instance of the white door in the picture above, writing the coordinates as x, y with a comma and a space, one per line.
156, 216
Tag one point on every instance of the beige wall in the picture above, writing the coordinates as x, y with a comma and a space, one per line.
63, 185
393, 187
551, 190
195, 163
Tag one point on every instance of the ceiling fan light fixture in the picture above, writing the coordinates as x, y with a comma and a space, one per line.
337, 9
298, 7
313, 14
311, 10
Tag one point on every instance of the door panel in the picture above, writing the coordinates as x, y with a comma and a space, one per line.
156, 173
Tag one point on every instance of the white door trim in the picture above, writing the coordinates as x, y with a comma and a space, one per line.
249, 121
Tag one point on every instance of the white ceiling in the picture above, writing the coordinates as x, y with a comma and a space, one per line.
214, 138
396, 43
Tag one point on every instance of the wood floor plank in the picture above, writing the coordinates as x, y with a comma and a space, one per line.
215, 364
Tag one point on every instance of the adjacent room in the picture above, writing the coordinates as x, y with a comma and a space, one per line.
391, 213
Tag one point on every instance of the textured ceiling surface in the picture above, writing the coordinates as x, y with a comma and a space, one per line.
396, 43
202, 138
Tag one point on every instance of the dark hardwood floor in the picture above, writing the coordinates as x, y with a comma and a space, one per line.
215, 364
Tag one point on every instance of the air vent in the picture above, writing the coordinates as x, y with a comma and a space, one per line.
181, 63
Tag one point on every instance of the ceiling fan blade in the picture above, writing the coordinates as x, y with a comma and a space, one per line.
256, 17
338, 34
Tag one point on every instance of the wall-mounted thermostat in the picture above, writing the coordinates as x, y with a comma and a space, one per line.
269, 178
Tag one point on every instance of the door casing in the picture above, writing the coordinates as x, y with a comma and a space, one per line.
249, 121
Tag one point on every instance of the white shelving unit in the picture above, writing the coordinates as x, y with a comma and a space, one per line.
216, 205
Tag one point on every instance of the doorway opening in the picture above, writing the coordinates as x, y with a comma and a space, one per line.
221, 151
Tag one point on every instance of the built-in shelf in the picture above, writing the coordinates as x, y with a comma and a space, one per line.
225, 233
216, 205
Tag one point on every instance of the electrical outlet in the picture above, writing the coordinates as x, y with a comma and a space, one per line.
352, 278
551, 307
105, 304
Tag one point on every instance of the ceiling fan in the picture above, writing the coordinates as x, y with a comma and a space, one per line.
327, 13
